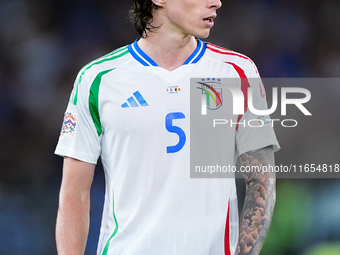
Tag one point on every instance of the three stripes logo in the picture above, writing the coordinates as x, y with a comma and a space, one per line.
134, 100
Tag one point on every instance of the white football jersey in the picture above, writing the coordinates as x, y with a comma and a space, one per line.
119, 110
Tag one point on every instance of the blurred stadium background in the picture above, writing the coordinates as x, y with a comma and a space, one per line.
44, 43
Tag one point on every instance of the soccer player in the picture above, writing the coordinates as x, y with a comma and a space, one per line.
131, 108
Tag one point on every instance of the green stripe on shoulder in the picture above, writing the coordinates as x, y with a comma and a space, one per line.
111, 56
94, 100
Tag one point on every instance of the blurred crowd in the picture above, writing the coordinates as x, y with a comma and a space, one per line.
43, 44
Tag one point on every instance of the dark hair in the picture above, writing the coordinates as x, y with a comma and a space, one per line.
141, 16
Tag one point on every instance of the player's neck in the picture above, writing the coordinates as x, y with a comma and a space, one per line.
168, 51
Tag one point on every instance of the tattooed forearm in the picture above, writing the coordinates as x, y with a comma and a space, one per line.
259, 202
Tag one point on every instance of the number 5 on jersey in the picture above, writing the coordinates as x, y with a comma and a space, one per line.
174, 129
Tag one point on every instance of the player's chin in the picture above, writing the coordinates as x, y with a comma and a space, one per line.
203, 34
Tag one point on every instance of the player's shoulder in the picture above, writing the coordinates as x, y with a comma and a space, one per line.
97, 68
223, 54
109, 61
230, 57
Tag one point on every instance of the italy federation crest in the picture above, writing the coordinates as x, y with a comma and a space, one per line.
213, 92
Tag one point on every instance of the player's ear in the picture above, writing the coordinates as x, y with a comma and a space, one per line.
159, 3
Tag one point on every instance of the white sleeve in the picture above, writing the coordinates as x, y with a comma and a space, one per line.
79, 137
256, 131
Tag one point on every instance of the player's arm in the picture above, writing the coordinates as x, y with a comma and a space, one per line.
74, 205
259, 202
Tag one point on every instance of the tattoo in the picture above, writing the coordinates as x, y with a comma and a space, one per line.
259, 201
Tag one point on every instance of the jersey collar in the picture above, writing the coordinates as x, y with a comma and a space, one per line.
145, 60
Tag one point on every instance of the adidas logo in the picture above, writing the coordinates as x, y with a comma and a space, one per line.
131, 101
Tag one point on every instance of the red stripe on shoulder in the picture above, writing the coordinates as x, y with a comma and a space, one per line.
244, 87
218, 47
224, 51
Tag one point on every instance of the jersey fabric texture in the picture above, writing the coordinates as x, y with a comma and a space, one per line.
118, 111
